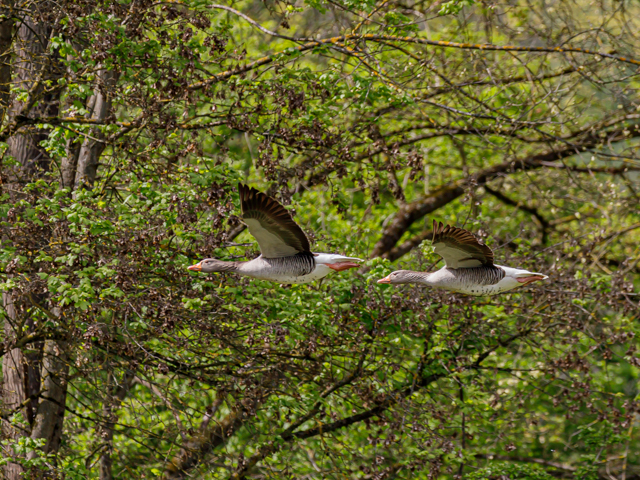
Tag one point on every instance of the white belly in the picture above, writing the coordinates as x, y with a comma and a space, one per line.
504, 285
454, 280
319, 272
509, 282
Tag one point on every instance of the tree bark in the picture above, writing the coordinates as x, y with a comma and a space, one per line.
100, 107
6, 36
14, 388
70, 161
31, 66
197, 447
49, 416
213, 435
111, 403
22, 385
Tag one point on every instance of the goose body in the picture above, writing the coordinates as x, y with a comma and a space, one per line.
468, 269
285, 252
296, 269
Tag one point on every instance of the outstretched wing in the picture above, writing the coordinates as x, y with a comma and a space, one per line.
271, 225
459, 248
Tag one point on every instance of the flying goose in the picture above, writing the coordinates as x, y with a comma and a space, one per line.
286, 256
468, 266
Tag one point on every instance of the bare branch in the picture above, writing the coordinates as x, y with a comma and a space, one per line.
412, 212
257, 25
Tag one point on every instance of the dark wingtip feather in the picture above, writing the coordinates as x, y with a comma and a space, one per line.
253, 200
248, 195
436, 229
461, 236
243, 190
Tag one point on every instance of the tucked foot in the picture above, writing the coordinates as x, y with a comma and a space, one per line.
338, 267
530, 279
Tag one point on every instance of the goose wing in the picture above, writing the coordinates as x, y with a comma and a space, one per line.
459, 248
271, 225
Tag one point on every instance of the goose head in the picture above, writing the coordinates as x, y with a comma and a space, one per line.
209, 265
400, 277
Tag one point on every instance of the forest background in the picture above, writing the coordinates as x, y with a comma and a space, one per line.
125, 128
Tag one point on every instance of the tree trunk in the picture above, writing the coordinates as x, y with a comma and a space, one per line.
100, 107
14, 391
30, 60
6, 35
70, 161
111, 403
49, 416
40, 402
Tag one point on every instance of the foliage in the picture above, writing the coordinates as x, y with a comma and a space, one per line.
367, 136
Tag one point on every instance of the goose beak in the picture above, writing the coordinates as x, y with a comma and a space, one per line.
338, 267
195, 268
385, 280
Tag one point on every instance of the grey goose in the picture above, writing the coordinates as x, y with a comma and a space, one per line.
469, 266
286, 255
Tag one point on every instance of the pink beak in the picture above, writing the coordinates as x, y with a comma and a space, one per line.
385, 280
338, 267
195, 268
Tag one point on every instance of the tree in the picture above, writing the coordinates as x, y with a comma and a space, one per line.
126, 126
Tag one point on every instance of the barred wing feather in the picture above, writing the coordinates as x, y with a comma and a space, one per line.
278, 235
459, 248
